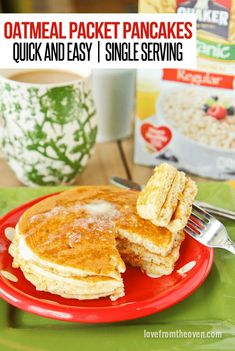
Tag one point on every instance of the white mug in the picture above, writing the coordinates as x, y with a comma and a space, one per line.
114, 95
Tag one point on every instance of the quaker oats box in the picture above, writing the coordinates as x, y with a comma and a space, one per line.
187, 117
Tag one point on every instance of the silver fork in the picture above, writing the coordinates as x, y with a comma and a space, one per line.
208, 230
201, 225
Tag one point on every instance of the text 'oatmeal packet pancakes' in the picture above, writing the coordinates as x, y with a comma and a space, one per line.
187, 117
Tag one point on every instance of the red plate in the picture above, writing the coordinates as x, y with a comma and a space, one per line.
143, 296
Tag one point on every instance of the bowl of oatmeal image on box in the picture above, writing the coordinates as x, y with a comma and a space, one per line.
202, 121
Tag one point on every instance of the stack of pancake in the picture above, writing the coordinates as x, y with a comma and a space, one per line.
76, 244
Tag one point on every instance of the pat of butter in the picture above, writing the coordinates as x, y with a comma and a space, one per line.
100, 207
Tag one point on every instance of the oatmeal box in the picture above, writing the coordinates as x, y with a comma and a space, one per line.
187, 117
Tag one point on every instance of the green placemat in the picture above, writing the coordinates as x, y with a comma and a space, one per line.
210, 309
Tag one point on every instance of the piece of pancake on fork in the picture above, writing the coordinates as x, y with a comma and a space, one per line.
167, 198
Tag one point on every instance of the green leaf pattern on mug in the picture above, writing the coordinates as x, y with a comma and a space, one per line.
47, 133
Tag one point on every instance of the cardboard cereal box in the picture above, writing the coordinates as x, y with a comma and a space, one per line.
187, 117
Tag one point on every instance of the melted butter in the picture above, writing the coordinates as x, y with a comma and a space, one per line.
101, 207
9, 233
9, 276
96, 217
95, 208
154, 275
187, 267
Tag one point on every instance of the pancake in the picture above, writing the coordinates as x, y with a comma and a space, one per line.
152, 264
70, 244
60, 230
72, 287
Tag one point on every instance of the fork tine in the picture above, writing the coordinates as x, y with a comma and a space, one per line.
198, 219
194, 225
191, 232
201, 212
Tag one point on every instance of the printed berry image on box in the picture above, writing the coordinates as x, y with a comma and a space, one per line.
187, 117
